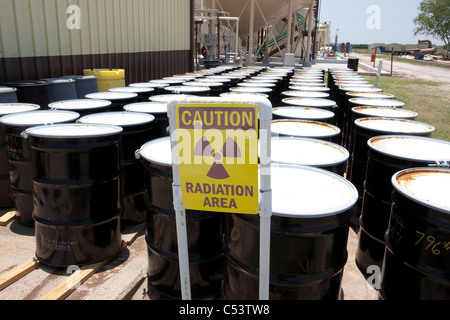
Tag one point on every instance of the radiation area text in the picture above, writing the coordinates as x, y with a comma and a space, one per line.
220, 195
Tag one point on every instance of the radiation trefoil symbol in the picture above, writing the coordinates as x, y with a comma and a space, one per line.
230, 149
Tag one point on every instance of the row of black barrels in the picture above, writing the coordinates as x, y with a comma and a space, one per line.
16, 168
62, 158
355, 135
310, 225
395, 233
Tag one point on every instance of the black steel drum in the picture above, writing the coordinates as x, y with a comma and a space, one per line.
118, 99
75, 170
6, 196
158, 110
62, 88
8, 95
416, 265
19, 154
306, 129
143, 93
367, 128
158, 88
306, 94
309, 232
82, 106
204, 231
388, 155
137, 130
374, 111
32, 91
303, 113
196, 90
310, 152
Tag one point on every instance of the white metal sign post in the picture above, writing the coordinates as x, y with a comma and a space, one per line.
185, 115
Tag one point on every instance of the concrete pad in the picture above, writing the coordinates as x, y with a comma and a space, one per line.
117, 280
125, 277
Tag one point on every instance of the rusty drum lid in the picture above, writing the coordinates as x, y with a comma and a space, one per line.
426, 186
432, 151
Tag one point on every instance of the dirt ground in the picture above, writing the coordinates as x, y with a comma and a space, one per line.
411, 71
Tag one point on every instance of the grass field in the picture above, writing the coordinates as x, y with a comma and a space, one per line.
428, 98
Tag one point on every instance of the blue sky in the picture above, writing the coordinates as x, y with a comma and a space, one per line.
357, 21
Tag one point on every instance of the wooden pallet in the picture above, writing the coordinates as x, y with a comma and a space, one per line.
7, 218
71, 283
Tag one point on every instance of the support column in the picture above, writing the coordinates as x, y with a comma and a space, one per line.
310, 27
250, 31
289, 29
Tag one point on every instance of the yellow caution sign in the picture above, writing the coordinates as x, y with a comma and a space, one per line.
218, 157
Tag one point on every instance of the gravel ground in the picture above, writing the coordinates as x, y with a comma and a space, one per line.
411, 71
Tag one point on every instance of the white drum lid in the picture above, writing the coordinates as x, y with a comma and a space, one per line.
310, 88
169, 97
215, 79
303, 112
306, 94
132, 89
274, 74
395, 125
203, 83
233, 76
371, 95
377, 102
263, 77
59, 80
256, 84
365, 84
123, 119
310, 102
260, 80
369, 88
147, 107
426, 186
73, 131
348, 76
244, 94
192, 74
158, 151
179, 89
40, 117
412, 148
307, 83
111, 95
7, 90
307, 78
79, 104
179, 77
304, 128
167, 81
307, 152
148, 85
386, 112
10, 108
77, 78
308, 192
251, 89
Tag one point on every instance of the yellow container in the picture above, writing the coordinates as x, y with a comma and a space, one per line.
107, 78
